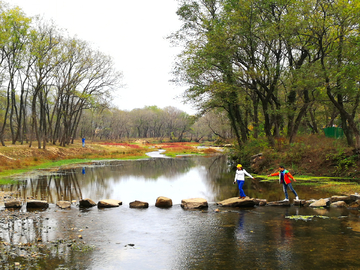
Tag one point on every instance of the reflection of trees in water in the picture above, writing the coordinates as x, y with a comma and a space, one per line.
52, 188
98, 180
68, 184
25, 239
150, 169
209, 244
23, 228
219, 176
265, 239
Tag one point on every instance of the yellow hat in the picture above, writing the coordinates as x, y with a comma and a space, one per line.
239, 166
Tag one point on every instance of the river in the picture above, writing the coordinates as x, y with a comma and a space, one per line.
154, 238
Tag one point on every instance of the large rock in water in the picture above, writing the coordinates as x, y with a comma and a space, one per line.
37, 204
138, 204
260, 202
346, 199
338, 204
320, 203
63, 204
279, 203
237, 202
299, 202
13, 204
194, 203
163, 202
87, 203
355, 197
355, 205
109, 203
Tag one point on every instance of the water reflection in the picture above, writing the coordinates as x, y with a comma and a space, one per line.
178, 178
254, 238
17, 227
28, 242
129, 180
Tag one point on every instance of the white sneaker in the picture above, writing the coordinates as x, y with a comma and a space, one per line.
297, 198
285, 200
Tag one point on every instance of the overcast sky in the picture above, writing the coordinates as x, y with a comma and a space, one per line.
133, 34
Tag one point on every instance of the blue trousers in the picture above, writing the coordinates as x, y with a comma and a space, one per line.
240, 185
285, 186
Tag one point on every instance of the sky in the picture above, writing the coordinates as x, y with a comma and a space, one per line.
133, 33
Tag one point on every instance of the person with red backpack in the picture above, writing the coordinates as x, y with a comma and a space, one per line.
284, 178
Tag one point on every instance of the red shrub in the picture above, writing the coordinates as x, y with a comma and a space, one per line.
123, 144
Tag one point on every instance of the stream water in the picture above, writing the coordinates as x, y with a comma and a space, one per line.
154, 238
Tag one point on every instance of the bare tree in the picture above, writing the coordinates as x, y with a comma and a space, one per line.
85, 80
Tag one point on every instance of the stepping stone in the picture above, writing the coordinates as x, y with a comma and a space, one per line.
13, 204
346, 199
87, 203
109, 203
355, 197
320, 203
139, 204
63, 204
300, 202
355, 205
37, 204
163, 202
279, 203
338, 204
194, 203
237, 202
260, 202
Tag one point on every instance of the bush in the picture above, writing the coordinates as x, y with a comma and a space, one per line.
308, 155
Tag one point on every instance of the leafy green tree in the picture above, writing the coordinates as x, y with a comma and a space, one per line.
282, 54
206, 63
14, 38
335, 32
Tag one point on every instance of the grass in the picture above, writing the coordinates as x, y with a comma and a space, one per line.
7, 181
313, 160
18, 159
184, 148
4, 175
308, 178
347, 185
339, 187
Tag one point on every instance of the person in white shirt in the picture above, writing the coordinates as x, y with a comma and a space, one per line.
240, 179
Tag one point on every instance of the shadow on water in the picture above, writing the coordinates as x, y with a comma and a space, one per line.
154, 238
